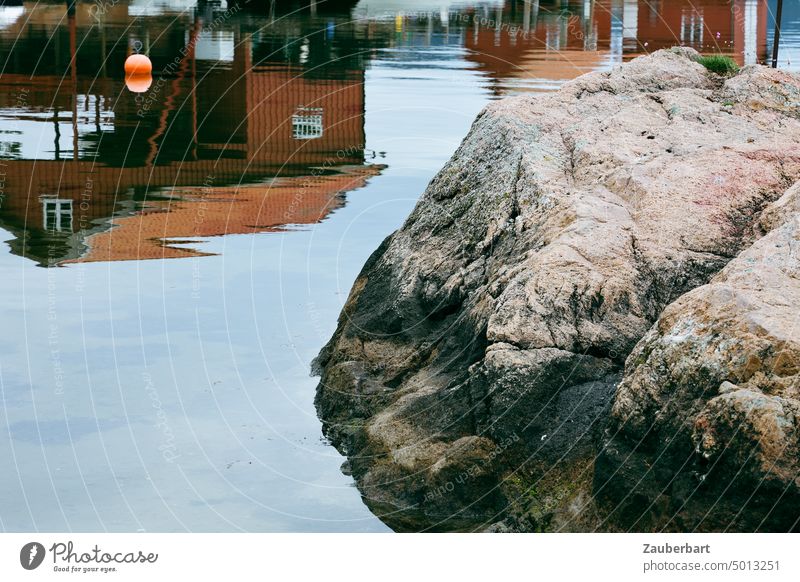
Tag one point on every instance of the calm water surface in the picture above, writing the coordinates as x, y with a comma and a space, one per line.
175, 258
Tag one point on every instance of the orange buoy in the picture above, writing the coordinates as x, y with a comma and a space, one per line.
138, 65
138, 83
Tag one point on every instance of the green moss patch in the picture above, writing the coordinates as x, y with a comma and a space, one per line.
719, 64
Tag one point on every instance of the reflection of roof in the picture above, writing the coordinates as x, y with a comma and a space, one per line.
209, 211
558, 65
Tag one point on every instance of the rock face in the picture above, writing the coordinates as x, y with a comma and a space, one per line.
705, 427
474, 367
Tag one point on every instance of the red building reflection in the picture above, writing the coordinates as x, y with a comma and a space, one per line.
558, 41
94, 172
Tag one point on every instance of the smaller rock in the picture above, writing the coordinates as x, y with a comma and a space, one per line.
705, 429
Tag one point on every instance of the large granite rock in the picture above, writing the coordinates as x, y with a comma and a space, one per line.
474, 365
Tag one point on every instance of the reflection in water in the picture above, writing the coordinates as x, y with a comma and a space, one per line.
218, 115
260, 119
206, 211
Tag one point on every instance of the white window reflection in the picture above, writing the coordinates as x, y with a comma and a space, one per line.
307, 123
57, 214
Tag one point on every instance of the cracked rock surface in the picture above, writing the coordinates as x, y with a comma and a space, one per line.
705, 426
472, 373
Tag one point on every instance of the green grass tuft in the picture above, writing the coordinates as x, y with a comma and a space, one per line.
719, 64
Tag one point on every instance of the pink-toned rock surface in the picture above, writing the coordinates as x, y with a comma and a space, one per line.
473, 368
